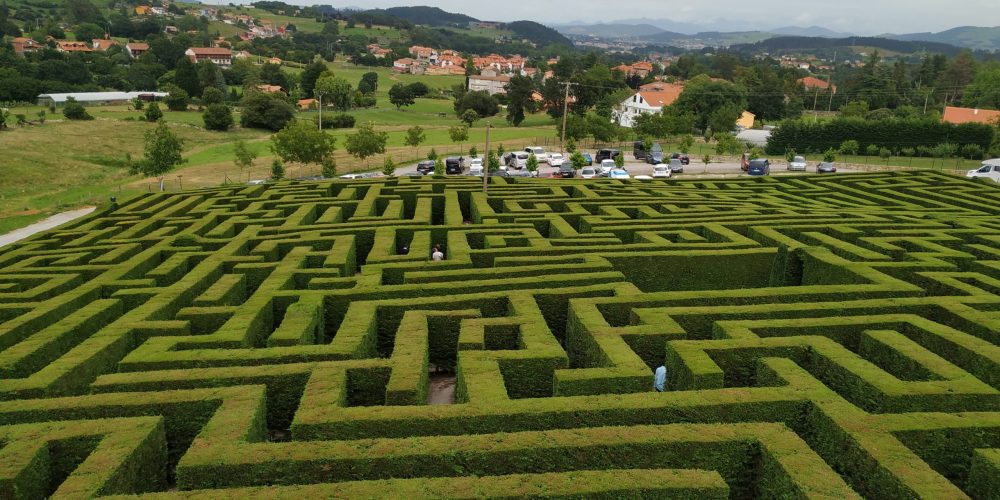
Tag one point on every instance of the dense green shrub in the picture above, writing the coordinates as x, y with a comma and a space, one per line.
341, 120
218, 117
73, 110
891, 133
266, 111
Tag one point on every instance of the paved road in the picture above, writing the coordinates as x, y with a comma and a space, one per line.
694, 170
43, 225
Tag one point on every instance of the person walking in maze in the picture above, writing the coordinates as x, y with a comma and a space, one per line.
437, 255
660, 379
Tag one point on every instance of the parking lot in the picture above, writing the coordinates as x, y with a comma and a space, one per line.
695, 170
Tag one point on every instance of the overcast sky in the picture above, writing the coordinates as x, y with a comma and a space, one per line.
857, 16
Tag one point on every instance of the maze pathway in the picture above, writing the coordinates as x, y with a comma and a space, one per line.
823, 337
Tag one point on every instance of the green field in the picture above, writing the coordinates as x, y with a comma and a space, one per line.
829, 337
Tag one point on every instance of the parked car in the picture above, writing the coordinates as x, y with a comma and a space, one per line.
413, 174
518, 159
760, 166
605, 167
989, 170
500, 173
606, 154
538, 152
797, 164
476, 169
556, 159
618, 173
426, 167
683, 157
826, 167
454, 166
661, 171
588, 173
639, 150
654, 157
476, 162
676, 166
567, 171
590, 159
256, 182
643, 178
523, 173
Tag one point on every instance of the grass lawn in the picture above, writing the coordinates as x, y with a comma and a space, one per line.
64, 164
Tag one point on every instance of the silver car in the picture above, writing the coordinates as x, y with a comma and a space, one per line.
798, 164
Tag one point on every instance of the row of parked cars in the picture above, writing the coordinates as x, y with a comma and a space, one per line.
762, 166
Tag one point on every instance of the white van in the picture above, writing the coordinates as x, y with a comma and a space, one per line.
517, 160
539, 153
989, 170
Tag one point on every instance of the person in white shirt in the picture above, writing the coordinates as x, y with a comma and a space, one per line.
660, 379
437, 255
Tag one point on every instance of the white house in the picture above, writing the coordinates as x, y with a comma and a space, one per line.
649, 99
489, 81
221, 56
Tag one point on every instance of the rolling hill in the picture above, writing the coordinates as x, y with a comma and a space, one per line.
430, 16
973, 37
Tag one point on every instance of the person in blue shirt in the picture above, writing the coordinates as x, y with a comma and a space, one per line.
660, 379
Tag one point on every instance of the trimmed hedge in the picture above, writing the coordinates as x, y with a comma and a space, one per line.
829, 336
893, 133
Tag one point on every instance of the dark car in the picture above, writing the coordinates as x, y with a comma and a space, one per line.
453, 166
759, 166
500, 173
590, 159
639, 150
826, 168
683, 157
606, 154
655, 155
567, 172
426, 167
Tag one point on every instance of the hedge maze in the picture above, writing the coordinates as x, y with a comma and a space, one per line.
824, 337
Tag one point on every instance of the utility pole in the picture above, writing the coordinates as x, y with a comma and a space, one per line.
489, 154
829, 81
562, 139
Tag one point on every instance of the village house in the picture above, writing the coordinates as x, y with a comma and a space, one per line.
220, 56
24, 46
136, 49
959, 116
403, 65
142, 10
640, 69
271, 89
102, 44
649, 99
67, 46
489, 81
424, 54
813, 83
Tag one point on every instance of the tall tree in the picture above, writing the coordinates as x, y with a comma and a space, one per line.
415, 136
957, 75
368, 83
519, 96
161, 154
702, 96
300, 142
400, 95
366, 142
312, 72
210, 76
186, 76
336, 92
